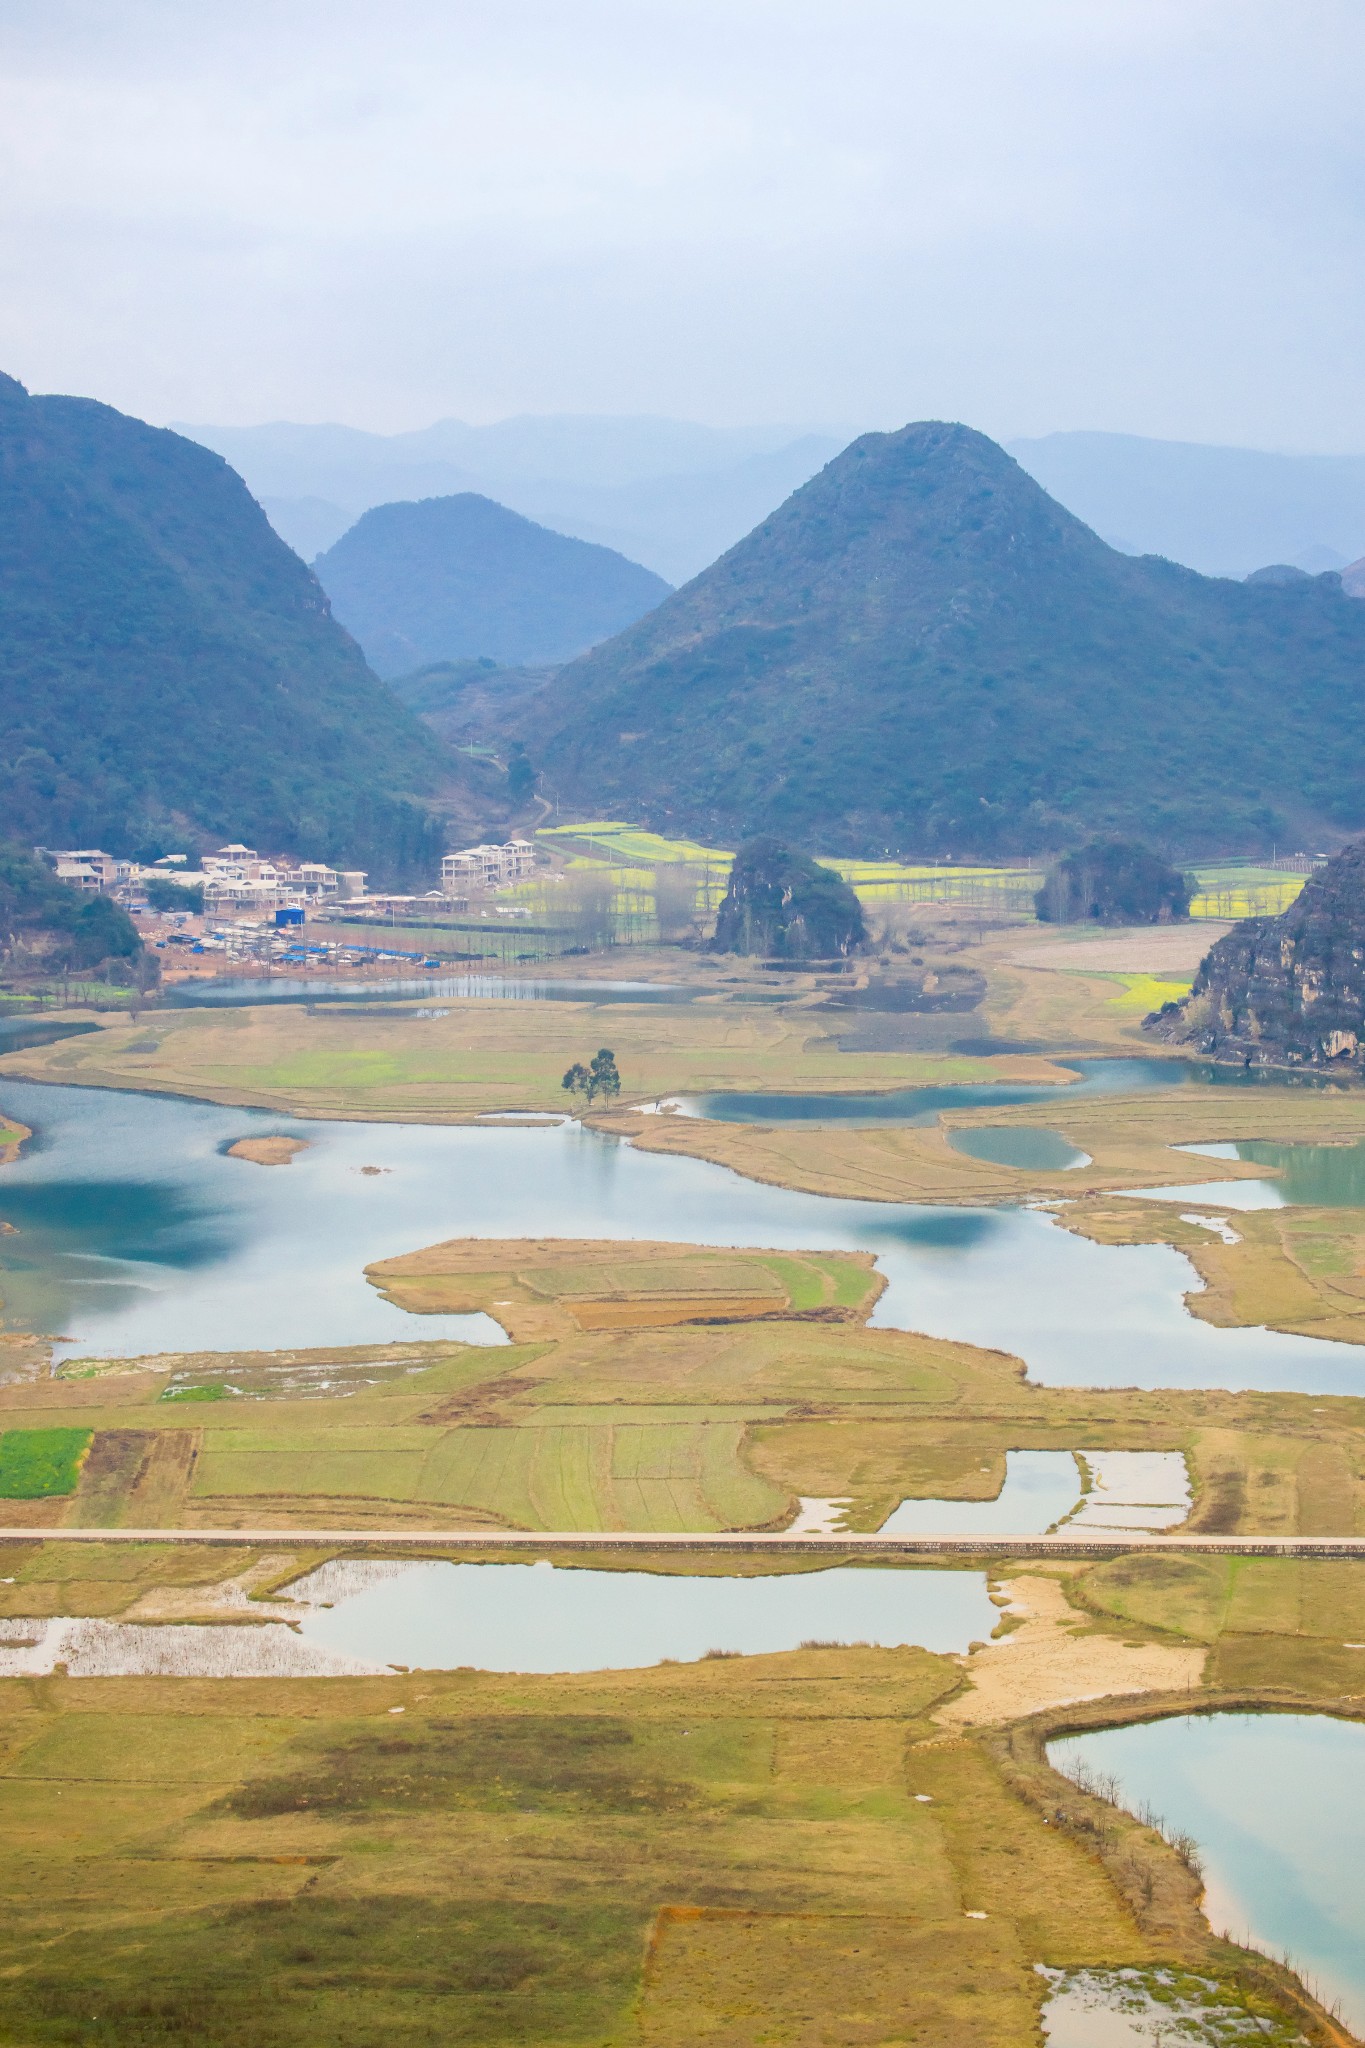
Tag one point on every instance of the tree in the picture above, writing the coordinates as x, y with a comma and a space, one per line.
604, 1079
1113, 883
521, 776
783, 904
600, 1078
164, 893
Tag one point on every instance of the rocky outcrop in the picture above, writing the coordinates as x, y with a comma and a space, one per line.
1285, 991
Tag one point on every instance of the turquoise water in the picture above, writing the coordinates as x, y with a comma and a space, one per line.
137, 1235
532, 1617
1019, 1145
922, 1105
1276, 1803
1310, 1176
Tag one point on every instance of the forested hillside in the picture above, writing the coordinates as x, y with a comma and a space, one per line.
170, 672
449, 579
921, 650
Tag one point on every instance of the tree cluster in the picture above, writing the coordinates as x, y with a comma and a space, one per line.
59, 929
786, 906
1114, 882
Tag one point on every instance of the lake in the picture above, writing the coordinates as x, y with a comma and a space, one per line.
1276, 1803
136, 1234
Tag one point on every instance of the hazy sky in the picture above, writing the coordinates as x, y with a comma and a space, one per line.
1028, 214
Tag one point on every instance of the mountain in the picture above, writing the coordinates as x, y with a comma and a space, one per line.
921, 650
171, 672
1223, 511
1286, 991
452, 579
667, 493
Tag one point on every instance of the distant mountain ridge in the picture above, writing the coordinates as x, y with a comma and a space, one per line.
450, 579
171, 672
667, 493
1223, 511
921, 650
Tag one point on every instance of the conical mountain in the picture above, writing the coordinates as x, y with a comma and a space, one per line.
457, 578
921, 650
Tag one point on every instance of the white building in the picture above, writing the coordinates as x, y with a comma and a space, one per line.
479, 868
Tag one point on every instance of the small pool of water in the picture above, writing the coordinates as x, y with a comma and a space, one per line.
535, 1617
1020, 1145
922, 1105
1276, 1803
1151, 2007
1127, 1490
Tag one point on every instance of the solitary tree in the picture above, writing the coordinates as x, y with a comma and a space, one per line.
600, 1078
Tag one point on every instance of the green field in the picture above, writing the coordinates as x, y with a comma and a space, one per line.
36, 1464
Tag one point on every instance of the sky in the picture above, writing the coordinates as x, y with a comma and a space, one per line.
1137, 215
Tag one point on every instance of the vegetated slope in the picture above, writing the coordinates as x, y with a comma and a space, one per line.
169, 671
451, 579
1286, 990
462, 700
921, 650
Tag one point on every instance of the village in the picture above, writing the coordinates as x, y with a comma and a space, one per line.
243, 908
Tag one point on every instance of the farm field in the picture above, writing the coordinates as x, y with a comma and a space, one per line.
613, 1412
847, 1843
843, 1845
481, 1056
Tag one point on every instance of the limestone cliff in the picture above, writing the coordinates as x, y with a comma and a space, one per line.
1285, 991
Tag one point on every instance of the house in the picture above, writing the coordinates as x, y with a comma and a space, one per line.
479, 868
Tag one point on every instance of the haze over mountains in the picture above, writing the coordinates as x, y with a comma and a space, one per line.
171, 671
452, 578
923, 651
667, 493
1225, 511
675, 496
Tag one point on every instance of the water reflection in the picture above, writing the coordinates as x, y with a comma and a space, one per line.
137, 1235
520, 1617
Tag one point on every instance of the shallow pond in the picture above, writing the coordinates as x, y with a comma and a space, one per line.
1127, 1490
1019, 1145
364, 1615
1276, 1803
533, 1617
236, 992
136, 1234
922, 1105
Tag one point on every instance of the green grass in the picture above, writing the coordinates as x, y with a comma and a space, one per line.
37, 1464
